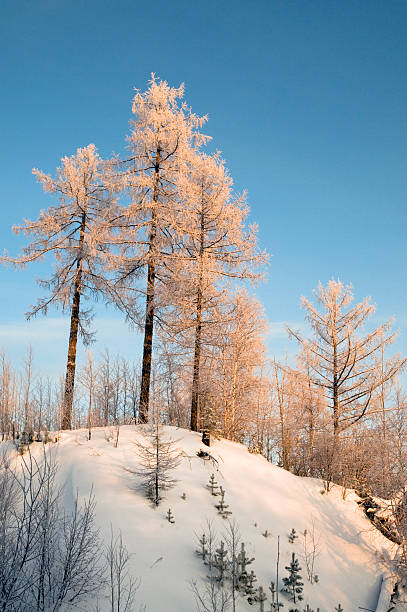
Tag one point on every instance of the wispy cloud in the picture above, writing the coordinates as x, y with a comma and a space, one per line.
277, 330
30, 331
49, 340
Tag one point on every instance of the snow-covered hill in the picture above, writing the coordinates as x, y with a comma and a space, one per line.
260, 495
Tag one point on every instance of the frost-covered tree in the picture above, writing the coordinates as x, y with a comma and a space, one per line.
76, 232
87, 378
217, 247
7, 395
234, 363
163, 136
341, 358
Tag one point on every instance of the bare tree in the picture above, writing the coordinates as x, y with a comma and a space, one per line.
233, 539
311, 550
122, 586
7, 396
50, 558
210, 597
87, 378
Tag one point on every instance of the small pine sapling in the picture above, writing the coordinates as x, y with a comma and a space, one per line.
221, 562
260, 598
250, 589
213, 485
170, 516
221, 506
203, 551
266, 534
207, 545
242, 562
339, 608
292, 536
275, 604
183, 496
292, 584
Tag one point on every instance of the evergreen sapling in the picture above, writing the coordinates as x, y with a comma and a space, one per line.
261, 598
292, 536
242, 562
213, 485
170, 517
221, 562
222, 507
203, 552
292, 583
250, 589
275, 604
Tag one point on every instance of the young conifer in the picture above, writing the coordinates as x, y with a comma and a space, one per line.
292, 583
158, 458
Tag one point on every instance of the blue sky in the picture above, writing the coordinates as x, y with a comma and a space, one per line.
306, 100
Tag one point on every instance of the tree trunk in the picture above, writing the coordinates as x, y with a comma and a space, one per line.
147, 346
71, 362
197, 358
66, 422
285, 447
149, 322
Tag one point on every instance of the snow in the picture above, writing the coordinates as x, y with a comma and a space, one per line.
261, 496
386, 590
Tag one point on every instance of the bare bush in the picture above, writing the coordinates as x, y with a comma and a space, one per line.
211, 598
122, 586
49, 558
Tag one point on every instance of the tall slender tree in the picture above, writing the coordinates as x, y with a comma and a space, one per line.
76, 231
164, 135
217, 248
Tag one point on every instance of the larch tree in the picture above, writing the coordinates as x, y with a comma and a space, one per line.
164, 135
218, 247
343, 360
233, 364
76, 231
158, 457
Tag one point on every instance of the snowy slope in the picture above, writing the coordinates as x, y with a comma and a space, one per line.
260, 495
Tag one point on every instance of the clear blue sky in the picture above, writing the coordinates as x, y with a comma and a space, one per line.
306, 99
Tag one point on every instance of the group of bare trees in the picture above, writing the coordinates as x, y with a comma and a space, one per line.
53, 557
